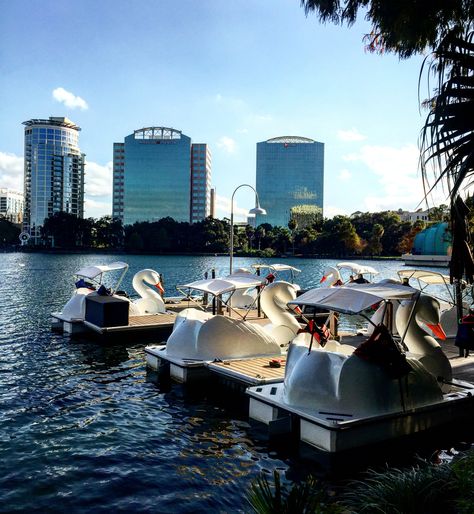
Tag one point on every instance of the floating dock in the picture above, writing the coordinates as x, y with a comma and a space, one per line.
149, 326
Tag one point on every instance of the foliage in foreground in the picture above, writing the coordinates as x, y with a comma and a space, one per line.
424, 488
435, 488
305, 498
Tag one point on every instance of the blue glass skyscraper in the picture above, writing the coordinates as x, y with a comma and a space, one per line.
290, 173
154, 176
54, 172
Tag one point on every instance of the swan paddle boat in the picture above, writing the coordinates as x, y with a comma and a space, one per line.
438, 285
90, 283
338, 397
337, 275
272, 272
200, 337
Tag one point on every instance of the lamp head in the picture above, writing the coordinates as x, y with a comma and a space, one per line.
258, 210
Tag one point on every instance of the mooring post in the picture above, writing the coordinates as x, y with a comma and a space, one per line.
204, 296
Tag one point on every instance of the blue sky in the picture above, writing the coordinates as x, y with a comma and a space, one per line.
227, 73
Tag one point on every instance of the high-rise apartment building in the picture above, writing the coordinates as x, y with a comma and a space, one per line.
11, 205
290, 173
159, 173
200, 180
54, 172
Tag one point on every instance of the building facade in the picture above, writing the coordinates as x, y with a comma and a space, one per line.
11, 205
200, 205
290, 173
159, 173
54, 172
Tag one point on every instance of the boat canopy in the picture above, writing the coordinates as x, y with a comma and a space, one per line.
355, 298
357, 269
428, 277
277, 267
92, 272
229, 284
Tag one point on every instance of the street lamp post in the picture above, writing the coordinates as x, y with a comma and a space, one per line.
256, 210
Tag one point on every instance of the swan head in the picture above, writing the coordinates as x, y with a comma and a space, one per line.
330, 274
427, 312
426, 315
151, 277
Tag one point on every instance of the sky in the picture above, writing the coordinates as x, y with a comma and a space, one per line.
226, 73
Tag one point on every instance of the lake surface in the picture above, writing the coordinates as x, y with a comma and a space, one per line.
85, 428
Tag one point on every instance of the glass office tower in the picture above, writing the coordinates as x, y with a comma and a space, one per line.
290, 172
158, 173
152, 176
54, 172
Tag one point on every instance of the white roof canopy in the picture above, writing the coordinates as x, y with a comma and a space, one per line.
277, 267
355, 298
92, 272
357, 268
218, 286
428, 277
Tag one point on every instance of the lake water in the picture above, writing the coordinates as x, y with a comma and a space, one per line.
84, 428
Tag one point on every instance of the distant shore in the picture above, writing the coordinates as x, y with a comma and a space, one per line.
122, 251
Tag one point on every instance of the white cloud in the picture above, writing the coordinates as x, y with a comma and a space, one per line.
98, 189
11, 171
223, 209
69, 99
98, 179
345, 175
395, 177
227, 144
330, 211
97, 209
350, 135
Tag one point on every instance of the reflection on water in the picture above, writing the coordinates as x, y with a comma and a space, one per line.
84, 428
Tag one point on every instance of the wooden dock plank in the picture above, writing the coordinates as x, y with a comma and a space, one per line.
151, 319
252, 371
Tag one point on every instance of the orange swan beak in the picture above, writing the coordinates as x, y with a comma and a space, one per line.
437, 330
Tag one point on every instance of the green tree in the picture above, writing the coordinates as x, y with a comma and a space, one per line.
374, 243
260, 234
339, 237
404, 27
306, 215
439, 213
64, 230
293, 225
406, 243
9, 233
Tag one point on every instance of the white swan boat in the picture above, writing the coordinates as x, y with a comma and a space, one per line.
91, 283
270, 272
438, 285
337, 275
339, 398
200, 337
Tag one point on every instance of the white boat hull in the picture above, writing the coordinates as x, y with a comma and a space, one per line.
436, 261
334, 432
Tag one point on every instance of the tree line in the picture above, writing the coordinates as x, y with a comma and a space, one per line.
363, 234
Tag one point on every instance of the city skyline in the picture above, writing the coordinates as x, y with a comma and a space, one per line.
231, 75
